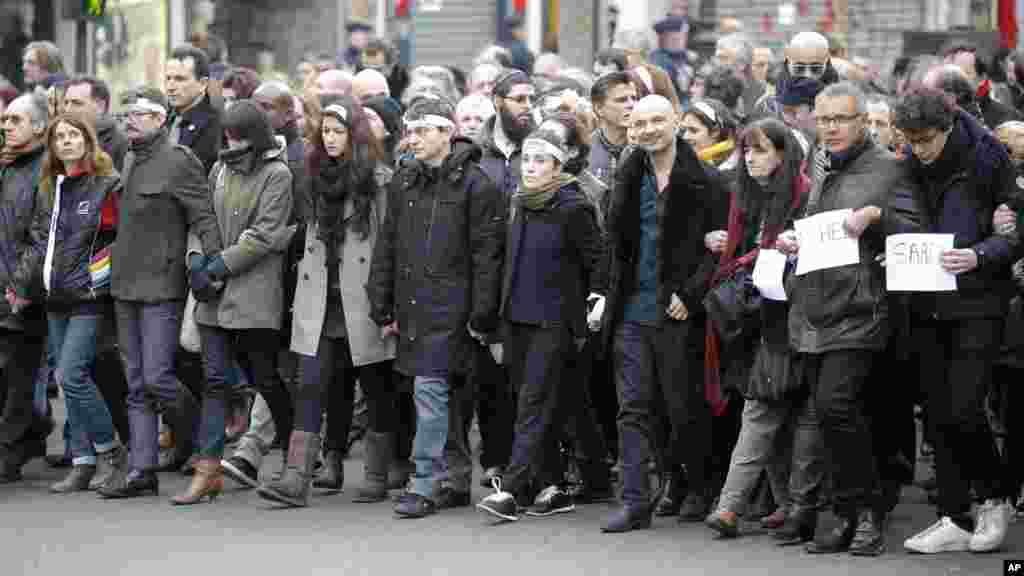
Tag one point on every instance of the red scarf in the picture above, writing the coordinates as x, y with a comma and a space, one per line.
727, 266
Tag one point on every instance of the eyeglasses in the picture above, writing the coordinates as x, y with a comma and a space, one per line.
798, 69
838, 120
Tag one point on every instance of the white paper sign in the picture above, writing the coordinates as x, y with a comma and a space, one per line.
912, 263
824, 242
768, 272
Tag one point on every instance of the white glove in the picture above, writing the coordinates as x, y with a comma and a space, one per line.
497, 352
596, 313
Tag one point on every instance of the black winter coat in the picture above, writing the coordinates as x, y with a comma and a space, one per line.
690, 213
200, 130
580, 260
437, 262
21, 238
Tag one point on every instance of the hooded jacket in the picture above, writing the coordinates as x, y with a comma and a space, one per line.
437, 261
252, 198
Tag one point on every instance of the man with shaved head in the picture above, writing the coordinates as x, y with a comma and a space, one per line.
660, 209
807, 56
369, 84
334, 83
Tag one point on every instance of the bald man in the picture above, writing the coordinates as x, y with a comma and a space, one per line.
369, 84
807, 56
334, 83
660, 210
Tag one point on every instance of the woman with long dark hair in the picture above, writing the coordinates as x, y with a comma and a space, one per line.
81, 187
331, 327
771, 188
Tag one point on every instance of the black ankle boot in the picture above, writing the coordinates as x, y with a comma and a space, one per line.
798, 528
674, 493
869, 539
838, 540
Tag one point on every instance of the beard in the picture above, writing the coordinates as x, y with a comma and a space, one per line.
517, 129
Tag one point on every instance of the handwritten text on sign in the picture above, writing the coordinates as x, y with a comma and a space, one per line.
824, 242
912, 263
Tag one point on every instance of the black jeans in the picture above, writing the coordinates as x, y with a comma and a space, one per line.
536, 360
956, 367
836, 381
662, 367
331, 376
495, 405
256, 352
19, 361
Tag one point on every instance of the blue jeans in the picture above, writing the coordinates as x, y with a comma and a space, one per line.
147, 334
73, 340
431, 394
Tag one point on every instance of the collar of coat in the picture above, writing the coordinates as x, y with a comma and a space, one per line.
197, 116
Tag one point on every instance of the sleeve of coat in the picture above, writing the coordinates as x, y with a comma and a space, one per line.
695, 286
28, 276
263, 236
380, 287
996, 251
590, 245
487, 228
193, 195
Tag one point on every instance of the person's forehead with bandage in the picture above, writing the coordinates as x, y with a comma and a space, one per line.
145, 114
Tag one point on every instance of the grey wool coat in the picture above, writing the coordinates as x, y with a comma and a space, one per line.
253, 205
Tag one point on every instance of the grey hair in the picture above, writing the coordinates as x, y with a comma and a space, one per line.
38, 107
484, 72
880, 100
846, 89
274, 89
634, 39
51, 60
441, 76
739, 44
920, 67
584, 78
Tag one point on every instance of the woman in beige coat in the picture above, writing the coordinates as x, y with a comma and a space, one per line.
240, 290
331, 328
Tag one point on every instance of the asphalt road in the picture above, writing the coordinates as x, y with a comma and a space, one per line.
241, 535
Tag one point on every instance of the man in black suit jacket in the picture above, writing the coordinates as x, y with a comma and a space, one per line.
195, 119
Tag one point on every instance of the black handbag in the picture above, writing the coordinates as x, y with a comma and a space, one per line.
774, 374
733, 305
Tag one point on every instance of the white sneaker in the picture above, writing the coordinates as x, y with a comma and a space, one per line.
943, 536
991, 526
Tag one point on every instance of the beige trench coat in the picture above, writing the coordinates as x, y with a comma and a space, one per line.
310, 306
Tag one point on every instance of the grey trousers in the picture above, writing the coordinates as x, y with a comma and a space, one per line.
772, 430
256, 442
147, 336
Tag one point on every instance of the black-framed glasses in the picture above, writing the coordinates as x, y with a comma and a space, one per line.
837, 120
919, 140
814, 69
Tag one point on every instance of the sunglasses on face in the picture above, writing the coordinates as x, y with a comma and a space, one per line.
802, 69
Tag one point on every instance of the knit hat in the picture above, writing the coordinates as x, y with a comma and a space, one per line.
508, 79
389, 110
339, 107
800, 91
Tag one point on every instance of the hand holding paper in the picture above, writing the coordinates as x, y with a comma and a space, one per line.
913, 263
768, 274
596, 313
857, 222
959, 261
825, 242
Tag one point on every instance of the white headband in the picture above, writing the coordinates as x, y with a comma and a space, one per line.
145, 105
541, 146
707, 110
339, 110
428, 121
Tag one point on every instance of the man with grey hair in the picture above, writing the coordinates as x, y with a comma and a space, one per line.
736, 52
369, 84
40, 60
840, 332
482, 79
952, 79
23, 226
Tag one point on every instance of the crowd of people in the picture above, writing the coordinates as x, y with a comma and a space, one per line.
563, 256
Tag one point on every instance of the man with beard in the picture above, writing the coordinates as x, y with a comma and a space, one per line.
660, 209
501, 139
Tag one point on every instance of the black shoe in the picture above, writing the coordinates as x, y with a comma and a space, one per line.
869, 539
448, 497
836, 541
797, 529
552, 500
415, 506
672, 499
58, 461
135, 484
695, 508
239, 470
629, 518
10, 467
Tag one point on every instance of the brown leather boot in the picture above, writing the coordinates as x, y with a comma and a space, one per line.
208, 482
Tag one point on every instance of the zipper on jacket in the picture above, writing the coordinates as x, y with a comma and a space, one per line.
92, 246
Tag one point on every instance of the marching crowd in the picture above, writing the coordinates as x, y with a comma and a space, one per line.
565, 256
